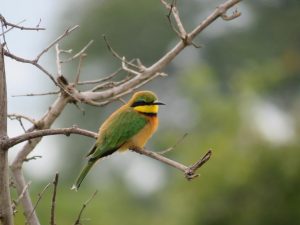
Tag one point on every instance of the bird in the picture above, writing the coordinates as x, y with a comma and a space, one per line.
129, 127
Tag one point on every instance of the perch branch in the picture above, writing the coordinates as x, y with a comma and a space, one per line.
189, 171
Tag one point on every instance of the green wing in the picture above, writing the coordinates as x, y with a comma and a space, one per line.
123, 126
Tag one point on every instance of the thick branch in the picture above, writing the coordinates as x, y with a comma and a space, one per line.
6, 213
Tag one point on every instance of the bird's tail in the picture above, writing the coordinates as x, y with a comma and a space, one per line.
82, 174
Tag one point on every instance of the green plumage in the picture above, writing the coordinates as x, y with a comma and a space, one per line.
116, 131
123, 126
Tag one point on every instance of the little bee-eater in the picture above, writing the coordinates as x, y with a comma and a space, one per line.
129, 127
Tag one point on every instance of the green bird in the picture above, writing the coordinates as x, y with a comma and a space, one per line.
129, 127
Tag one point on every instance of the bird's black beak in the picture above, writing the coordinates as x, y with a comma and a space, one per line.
158, 103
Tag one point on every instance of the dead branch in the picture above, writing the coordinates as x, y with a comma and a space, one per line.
77, 222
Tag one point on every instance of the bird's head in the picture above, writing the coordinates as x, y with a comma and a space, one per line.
145, 102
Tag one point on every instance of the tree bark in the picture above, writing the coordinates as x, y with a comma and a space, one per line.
6, 215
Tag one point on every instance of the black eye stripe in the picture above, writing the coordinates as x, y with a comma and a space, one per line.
141, 103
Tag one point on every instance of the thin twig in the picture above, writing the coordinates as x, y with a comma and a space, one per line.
173, 10
37, 28
67, 32
106, 77
115, 54
35, 157
78, 54
234, 15
37, 94
15, 116
58, 61
40, 195
174, 146
16, 202
77, 222
33, 62
79, 69
55, 183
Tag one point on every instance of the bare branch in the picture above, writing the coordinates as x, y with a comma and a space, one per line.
15, 116
77, 222
174, 146
189, 171
33, 62
37, 28
79, 53
6, 213
46, 132
55, 183
79, 69
58, 61
234, 15
124, 67
40, 195
218, 12
106, 78
37, 94
45, 122
16, 202
174, 11
115, 54
66, 33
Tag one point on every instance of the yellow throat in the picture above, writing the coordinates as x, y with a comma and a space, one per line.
147, 108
